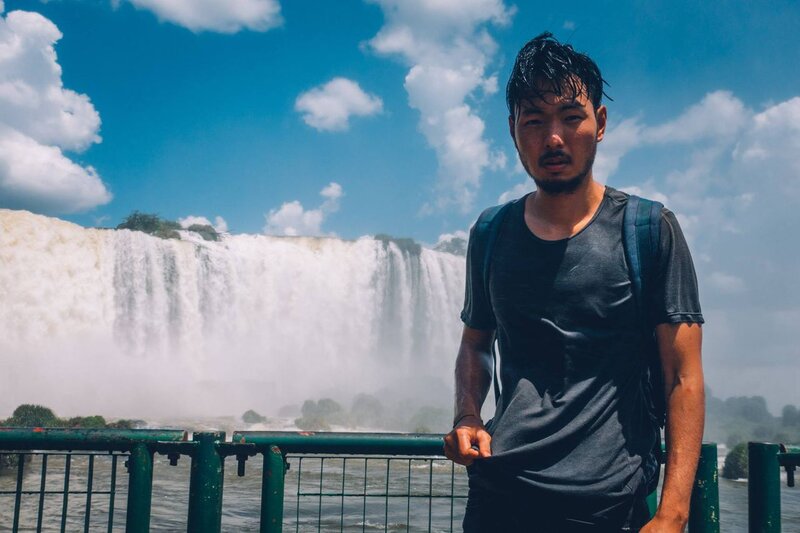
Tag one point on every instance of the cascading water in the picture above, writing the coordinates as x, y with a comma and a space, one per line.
123, 323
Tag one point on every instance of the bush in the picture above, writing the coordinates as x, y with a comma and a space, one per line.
124, 423
736, 462
151, 224
30, 416
367, 411
431, 420
87, 422
319, 416
205, 231
251, 417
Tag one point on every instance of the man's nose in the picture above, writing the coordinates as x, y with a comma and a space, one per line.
554, 137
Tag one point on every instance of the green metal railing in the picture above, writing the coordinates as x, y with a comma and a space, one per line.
309, 481
389, 460
136, 445
763, 483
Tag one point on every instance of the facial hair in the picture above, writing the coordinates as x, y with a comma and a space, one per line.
556, 186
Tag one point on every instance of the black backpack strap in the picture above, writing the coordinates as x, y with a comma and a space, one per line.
642, 240
485, 235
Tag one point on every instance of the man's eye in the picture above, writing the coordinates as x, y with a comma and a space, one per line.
533, 122
574, 118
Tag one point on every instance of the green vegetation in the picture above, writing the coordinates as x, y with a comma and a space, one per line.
154, 225
33, 416
431, 420
736, 462
321, 415
205, 231
28, 416
409, 246
367, 411
251, 417
746, 418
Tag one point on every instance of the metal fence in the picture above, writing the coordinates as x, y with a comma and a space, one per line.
71, 480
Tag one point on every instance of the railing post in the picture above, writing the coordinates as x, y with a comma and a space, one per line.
140, 489
763, 488
205, 484
704, 510
272, 491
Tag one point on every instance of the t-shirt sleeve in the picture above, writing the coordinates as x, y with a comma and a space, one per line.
676, 298
477, 312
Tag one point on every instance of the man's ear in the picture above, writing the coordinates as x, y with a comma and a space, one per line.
601, 116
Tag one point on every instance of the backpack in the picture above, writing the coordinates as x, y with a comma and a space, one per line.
641, 236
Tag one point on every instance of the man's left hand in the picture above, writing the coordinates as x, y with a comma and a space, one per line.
660, 524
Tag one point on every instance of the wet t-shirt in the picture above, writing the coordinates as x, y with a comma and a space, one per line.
572, 421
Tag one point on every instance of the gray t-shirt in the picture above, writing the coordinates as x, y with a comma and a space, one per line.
573, 420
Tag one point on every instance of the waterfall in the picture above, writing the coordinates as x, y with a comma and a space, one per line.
117, 321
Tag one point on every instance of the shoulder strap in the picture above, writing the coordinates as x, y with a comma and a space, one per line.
485, 236
641, 239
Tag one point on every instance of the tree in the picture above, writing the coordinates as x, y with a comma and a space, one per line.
736, 462
31, 415
790, 416
251, 417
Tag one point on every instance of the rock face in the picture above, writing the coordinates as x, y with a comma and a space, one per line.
149, 326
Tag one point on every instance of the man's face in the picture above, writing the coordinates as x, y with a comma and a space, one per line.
556, 138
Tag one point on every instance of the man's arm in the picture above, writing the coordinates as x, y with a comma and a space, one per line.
679, 347
473, 378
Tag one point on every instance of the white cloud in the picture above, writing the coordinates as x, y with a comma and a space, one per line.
770, 148
517, 191
292, 219
732, 176
447, 48
647, 190
330, 106
719, 115
229, 16
618, 141
39, 119
726, 283
219, 224
568, 25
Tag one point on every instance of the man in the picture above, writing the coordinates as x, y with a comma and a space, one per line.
571, 445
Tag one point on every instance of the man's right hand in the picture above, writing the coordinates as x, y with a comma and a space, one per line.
469, 432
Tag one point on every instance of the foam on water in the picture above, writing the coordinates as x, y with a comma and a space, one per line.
121, 322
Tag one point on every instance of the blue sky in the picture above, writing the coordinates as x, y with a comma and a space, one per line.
387, 116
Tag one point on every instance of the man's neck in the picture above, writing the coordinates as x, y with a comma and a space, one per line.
558, 216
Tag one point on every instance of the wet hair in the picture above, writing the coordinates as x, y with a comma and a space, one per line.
564, 71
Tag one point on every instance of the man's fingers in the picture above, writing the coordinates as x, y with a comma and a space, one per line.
465, 445
484, 444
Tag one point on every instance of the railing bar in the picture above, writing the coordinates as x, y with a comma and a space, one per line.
408, 498
18, 495
452, 491
112, 491
364, 500
306, 494
42, 487
319, 503
28, 492
341, 509
430, 493
374, 495
297, 507
89, 483
67, 464
386, 500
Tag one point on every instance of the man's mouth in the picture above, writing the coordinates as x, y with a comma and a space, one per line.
555, 164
